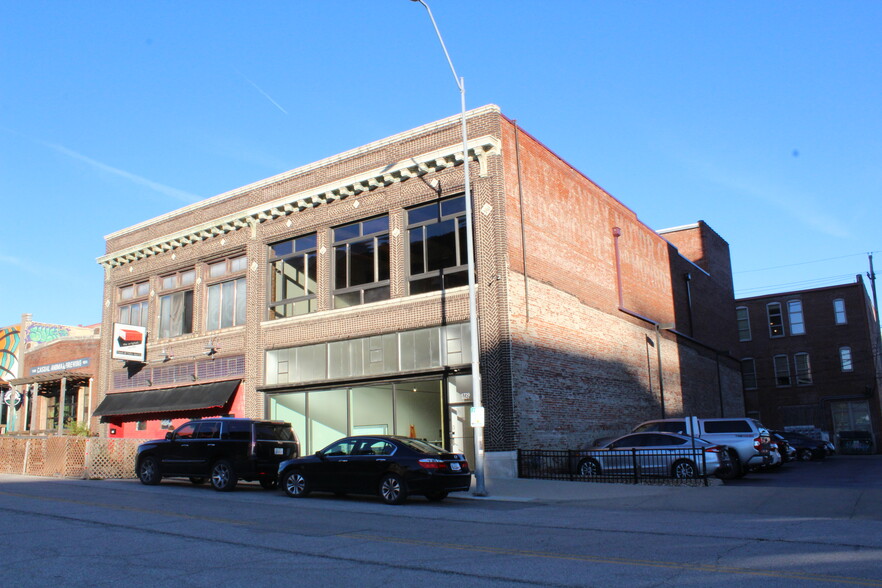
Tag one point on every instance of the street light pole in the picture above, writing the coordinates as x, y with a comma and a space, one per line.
477, 407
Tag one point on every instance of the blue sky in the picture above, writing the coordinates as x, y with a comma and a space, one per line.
761, 118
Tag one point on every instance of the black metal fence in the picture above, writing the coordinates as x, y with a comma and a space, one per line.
669, 467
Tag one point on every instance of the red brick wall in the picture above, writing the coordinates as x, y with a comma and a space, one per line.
582, 368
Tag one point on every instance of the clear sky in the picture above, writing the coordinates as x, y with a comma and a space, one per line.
761, 118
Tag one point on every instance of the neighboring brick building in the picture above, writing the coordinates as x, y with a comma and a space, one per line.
357, 311
55, 388
811, 360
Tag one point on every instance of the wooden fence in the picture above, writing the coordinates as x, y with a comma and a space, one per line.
68, 456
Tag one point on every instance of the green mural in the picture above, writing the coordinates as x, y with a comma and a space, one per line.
9, 340
41, 333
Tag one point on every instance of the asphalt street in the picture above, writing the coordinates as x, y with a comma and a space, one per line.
756, 533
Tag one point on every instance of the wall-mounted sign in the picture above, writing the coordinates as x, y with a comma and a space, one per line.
12, 398
129, 343
61, 366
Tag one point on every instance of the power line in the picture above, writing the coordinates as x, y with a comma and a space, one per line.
762, 269
824, 281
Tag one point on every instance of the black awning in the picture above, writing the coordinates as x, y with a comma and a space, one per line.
200, 396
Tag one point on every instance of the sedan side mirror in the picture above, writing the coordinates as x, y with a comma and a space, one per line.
320, 455
169, 435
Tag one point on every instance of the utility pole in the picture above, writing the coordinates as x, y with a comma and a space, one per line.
872, 275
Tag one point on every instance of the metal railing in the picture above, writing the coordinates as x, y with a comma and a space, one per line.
686, 467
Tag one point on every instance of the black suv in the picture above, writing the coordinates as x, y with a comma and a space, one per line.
223, 450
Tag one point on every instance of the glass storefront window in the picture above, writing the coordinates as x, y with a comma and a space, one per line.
327, 417
371, 408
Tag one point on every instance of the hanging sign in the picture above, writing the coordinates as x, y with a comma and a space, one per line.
129, 343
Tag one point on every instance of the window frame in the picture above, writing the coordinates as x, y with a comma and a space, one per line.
460, 268
746, 319
780, 381
803, 375
772, 326
179, 283
138, 298
752, 363
365, 289
846, 365
797, 327
231, 272
305, 253
837, 312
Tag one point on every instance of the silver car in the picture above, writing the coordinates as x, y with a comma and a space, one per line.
655, 454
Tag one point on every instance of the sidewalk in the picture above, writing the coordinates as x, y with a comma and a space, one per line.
861, 503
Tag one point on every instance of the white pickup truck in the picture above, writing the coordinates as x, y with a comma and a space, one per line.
747, 439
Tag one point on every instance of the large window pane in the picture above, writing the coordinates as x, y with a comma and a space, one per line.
418, 411
328, 418
293, 277
371, 410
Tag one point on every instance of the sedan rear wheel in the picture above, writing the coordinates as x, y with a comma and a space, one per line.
684, 469
589, 467
223, 477
392, 489
296, 485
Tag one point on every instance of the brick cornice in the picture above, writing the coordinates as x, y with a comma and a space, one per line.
386, 175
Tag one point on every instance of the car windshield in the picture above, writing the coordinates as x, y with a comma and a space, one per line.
422, 446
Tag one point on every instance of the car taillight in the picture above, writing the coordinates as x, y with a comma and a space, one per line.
431, 464
712, 450
758, 443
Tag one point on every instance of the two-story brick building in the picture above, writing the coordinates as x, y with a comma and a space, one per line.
334, 296
811, 360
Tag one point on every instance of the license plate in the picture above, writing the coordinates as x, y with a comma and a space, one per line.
455, 467
279, 450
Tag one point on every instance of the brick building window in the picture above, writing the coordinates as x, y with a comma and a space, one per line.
797, 320
176, 307
133, 304
226, 299
845, 362
782, 371
748, 373
776, 320
803, 369
361, 262
437, 253
293, 277
742, 316
839, 311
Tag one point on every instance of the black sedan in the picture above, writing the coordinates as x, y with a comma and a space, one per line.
392, 467
806, 447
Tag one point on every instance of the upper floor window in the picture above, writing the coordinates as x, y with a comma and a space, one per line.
742, 316
437, 236
293, 277
361, 262
133, 304
803, 369
839, 311
797, 321
227, 299
782, 371
845, 361
776, 319
748, 373
176, 308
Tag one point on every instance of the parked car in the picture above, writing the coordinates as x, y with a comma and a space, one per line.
656, 454
748, 442
392, 467
222, 450
785, 449
807, 448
